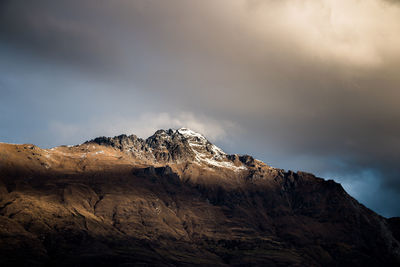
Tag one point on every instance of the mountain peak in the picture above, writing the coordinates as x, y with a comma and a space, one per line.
190, 145
196, 139
167, 146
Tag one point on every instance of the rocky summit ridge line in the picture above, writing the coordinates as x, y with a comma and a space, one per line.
182, 145
176, 199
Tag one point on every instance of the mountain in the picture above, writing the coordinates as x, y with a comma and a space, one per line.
175, 199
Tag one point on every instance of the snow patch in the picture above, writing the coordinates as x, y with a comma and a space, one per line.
202, 158
207, 153
189, 133
217, 151
223, 164
198, 140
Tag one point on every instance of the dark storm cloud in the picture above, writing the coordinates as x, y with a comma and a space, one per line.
308, 85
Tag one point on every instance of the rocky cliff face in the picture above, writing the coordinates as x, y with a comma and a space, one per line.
177, 199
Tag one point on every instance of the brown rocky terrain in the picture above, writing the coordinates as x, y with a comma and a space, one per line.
175, 199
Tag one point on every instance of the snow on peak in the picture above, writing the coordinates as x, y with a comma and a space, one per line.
198, 140
190, 134
205, 152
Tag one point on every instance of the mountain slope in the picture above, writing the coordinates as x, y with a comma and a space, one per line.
176, 199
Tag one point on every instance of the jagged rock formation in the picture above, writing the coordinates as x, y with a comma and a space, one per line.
176, 199
182, 145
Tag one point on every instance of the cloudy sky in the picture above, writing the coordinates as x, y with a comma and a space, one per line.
308, 85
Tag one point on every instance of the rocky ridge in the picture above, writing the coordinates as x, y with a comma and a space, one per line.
182, 145
184, 150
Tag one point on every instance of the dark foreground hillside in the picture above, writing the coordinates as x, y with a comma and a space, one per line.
117, 212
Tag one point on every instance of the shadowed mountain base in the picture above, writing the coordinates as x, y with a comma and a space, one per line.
133, 217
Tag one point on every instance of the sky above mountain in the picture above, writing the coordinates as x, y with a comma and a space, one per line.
309, 85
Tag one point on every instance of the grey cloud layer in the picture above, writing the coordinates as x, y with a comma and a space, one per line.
311, 82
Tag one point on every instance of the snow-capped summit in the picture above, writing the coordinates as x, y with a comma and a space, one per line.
191, 134
198, 141
173, 146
